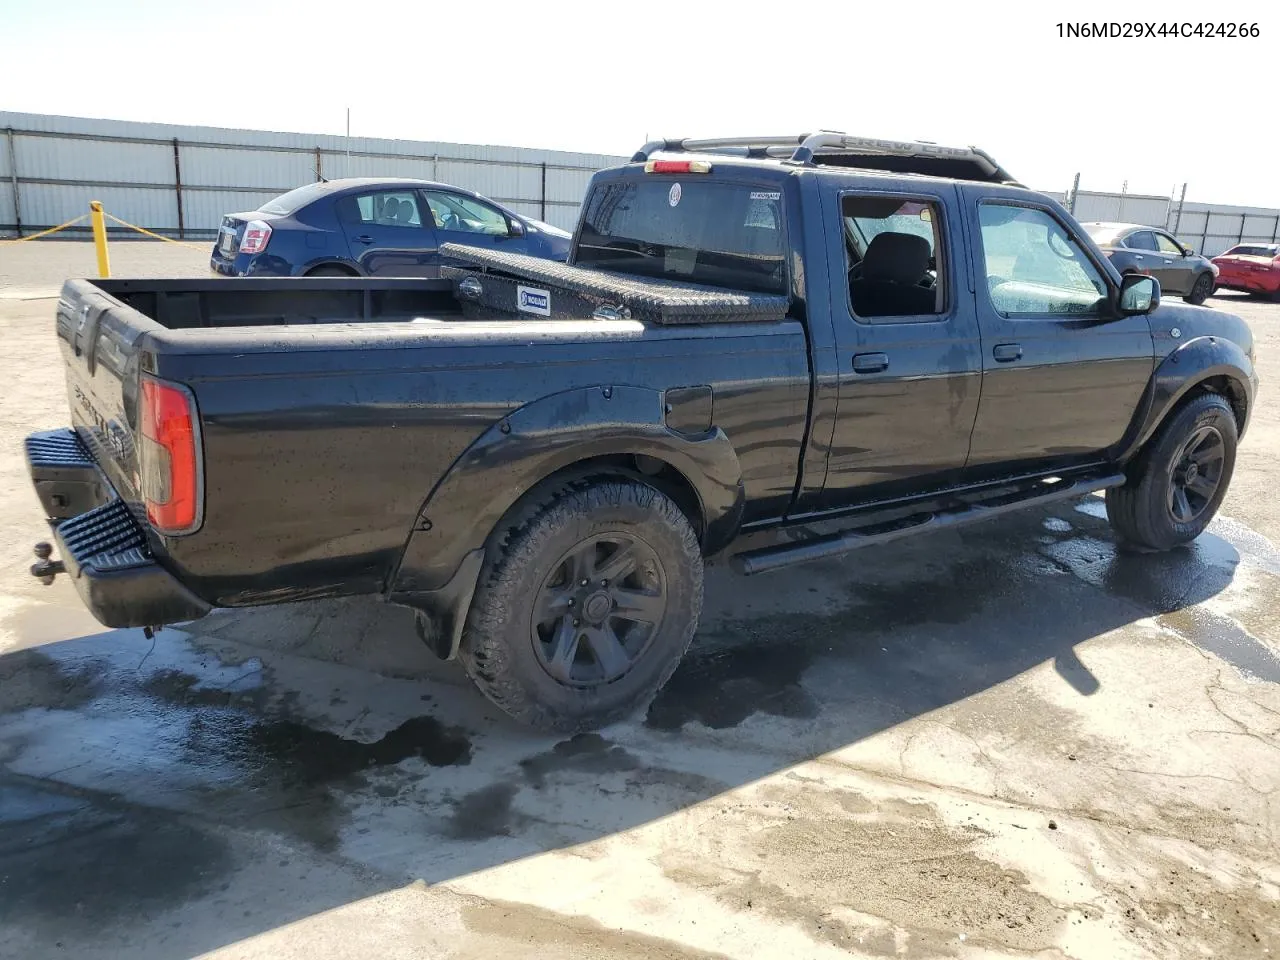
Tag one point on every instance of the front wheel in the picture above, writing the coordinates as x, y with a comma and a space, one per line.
587, 606
1201, 289
1177, 483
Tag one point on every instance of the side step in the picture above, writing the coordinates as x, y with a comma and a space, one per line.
1044, 491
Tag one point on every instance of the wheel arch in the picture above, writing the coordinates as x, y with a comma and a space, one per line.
573, 436
1203, 365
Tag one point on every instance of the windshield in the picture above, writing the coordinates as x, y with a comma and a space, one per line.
287, 203
1103, 234
697, 231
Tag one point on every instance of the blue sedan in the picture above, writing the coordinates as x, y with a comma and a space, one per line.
367, 227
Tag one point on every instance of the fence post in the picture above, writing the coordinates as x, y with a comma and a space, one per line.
319, 172
1075, 188
1240, 238
1177, 221
13, 180
1275, 231
99, 237
177, 189
543, 216
1124, 190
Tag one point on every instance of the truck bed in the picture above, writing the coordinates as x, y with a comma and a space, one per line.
285, 301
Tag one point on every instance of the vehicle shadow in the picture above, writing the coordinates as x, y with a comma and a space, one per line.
144, 778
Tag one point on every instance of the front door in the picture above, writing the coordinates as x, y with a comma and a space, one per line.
1061, 379
1177, 271
459, 218
387, 234
908, 344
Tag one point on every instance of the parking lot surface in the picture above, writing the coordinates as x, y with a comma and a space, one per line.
1012, 740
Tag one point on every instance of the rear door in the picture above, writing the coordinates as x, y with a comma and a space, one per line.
1061, 379
387, 233
907, 338
458, 218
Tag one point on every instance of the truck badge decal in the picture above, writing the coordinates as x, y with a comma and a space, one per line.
673, 195
533, 300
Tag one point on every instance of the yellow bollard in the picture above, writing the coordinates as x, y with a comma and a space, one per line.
100, 237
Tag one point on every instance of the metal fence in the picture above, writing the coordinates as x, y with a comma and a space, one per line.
180, 180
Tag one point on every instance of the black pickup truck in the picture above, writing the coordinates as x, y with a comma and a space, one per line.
537, 457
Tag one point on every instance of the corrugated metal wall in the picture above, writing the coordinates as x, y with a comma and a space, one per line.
134, 169
64, 162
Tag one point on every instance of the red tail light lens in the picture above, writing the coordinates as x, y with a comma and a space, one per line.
169, 457
257, 234
677, 166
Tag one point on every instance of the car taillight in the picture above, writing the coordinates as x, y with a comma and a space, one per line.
677, 166
257, 233
169, 457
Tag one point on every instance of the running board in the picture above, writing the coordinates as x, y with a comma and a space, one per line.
1044, 491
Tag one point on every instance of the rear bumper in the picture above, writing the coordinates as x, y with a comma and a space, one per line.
100, 542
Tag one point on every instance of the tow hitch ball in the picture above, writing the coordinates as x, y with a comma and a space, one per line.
45, 569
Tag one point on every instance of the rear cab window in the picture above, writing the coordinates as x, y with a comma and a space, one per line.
694, 229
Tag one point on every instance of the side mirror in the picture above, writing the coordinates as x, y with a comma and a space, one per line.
515, 228
1188, 252
1139, 293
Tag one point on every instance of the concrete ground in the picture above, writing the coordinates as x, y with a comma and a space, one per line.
1007, 741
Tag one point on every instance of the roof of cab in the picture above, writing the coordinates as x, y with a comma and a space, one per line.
832, 149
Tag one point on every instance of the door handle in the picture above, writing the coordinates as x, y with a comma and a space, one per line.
870, 362
363, 238
1004, 352
1138, 256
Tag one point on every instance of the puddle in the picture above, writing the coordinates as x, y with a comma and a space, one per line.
485, 813
304, 755
29, 679
585, 753
1226, 639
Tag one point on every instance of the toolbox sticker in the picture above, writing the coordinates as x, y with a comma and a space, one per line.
764, 195
533, 300
673, 195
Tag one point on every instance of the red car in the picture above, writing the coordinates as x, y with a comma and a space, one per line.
1250, 267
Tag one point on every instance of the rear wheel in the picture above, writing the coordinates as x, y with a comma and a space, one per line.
330, 272
1201, 290
585, 610
1177, 483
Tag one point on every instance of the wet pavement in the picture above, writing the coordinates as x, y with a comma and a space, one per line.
1011, 740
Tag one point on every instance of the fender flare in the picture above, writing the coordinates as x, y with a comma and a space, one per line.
521, 451
1183, 370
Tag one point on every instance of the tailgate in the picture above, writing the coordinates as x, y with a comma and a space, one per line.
98, 336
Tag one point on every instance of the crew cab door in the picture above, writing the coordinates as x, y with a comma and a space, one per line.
907, 340
1061, 376
387, 233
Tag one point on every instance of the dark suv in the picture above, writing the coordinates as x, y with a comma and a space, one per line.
363, 227
1134, 248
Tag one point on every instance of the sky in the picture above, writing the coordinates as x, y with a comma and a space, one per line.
599, 77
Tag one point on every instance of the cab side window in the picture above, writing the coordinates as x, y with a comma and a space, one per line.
893, 246
1168, 246
1033, 267
1142, 240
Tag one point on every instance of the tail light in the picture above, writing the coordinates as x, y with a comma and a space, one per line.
257, 234
677, 166
169, 458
